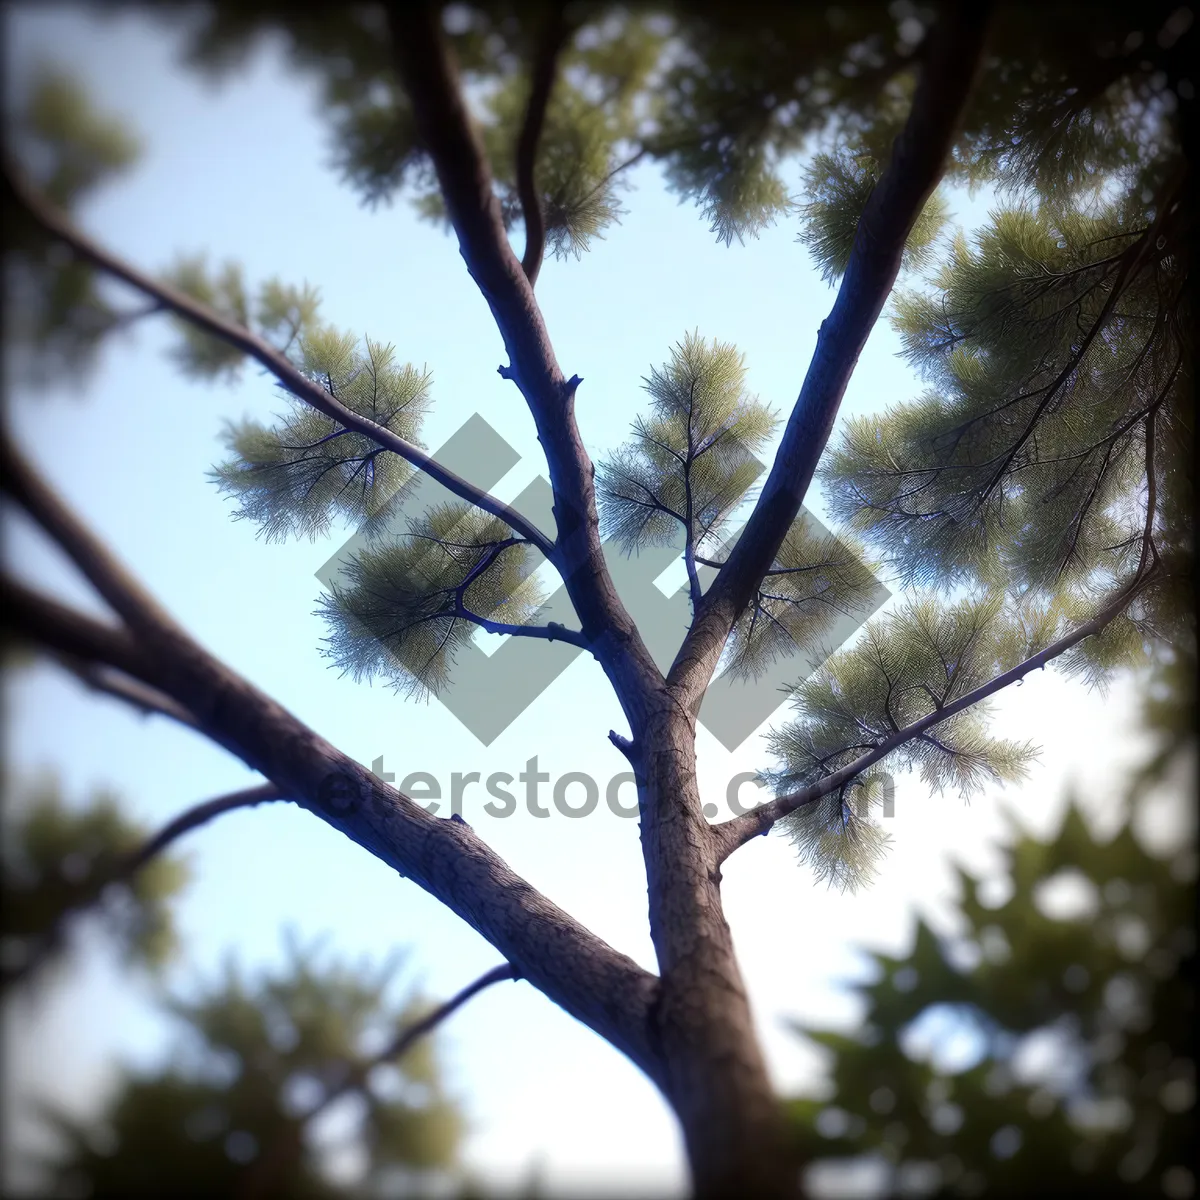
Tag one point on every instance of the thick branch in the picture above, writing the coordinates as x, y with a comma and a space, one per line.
193, 818
298, 384
545, 66
32, 615
605, 990
951, 66
427, 70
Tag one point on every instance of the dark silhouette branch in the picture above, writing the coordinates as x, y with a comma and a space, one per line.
123, 872
193, 818
33, 616
951, 65
103, 679
58, 225
553, 632
98, 564
544, 70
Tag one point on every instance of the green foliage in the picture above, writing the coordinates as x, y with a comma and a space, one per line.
200, 354
284, 314
374, 145
575, 161
814, 579
918, 658
299, 475
78, 147
692, 461
57, 314
738, 104
837, 189
58, 858
259, 1056
1025, 461
602, 97
1107, 985
727, 99
405, 610
1052, 345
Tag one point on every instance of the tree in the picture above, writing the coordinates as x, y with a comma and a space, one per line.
1108, 981
1037, 493
60, 860
260, 1061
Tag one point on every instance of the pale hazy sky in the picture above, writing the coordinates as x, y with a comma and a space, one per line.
240, 171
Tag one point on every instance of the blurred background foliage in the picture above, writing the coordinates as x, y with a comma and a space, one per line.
279, 1085
58, 313
59, 858
1047, 1047
239, 1110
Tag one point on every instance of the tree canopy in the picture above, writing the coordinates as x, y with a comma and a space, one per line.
1032, 500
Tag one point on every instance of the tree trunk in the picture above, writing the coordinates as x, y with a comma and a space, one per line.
714, 1074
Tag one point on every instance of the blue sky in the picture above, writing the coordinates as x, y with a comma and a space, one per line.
240, 171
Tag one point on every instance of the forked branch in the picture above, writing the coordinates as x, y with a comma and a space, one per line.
545, 67
33, 616
604, 989
428, 71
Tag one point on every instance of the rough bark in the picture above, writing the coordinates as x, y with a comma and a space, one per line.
605, 990
713, 1072
430, 76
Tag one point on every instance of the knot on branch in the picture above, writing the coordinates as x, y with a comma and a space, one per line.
623, 744
572, 385
506, 373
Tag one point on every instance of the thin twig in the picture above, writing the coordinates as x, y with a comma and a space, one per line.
110, 682
265, 1173
129, 866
